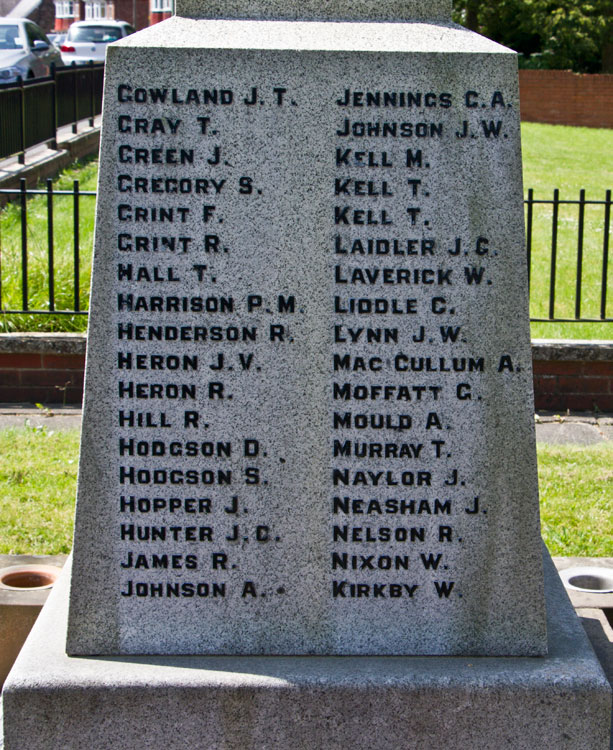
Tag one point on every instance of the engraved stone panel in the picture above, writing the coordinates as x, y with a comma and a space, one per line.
308, 419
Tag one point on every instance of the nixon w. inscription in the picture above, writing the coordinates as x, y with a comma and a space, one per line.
308, 422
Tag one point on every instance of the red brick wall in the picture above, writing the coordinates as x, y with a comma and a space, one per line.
156, 17
567, 375
125, 9
560, 97
44, 15
40, 378
578, 386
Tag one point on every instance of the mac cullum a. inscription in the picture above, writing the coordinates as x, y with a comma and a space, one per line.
301, 343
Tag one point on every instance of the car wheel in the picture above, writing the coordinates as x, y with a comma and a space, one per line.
30, 74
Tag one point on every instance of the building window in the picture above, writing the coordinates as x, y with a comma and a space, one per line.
162, 6
65, 9
95, 9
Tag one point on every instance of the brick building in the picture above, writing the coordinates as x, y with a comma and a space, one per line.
41, 12
138, 13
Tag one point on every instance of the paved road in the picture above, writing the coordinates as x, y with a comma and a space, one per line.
578, 429
61, 418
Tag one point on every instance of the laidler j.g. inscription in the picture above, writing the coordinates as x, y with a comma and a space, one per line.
308, 421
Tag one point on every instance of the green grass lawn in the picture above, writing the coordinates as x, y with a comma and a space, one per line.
38, 476
554, 156
576, 488
38, 263
38, 470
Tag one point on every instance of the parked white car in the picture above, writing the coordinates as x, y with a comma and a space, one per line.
88, 40
25, 50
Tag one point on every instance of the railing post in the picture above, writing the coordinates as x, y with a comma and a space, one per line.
75, 106
50, 244
605, 256
530, 203
24, 244
54, 106
22, 129
75, 204
579, 254
91, 93
554, 252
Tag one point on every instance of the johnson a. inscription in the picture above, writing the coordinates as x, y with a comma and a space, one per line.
308, 423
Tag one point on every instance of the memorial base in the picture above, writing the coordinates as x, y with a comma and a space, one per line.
54, 702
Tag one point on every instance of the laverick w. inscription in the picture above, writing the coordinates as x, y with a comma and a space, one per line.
308, 419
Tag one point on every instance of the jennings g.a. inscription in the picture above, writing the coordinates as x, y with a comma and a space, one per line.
401, 201
309, 349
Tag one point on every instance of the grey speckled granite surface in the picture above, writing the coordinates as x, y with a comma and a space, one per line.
560, 701
345, 10
308, 458
323, 224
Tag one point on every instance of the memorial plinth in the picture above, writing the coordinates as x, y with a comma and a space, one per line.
308, 426
55, 702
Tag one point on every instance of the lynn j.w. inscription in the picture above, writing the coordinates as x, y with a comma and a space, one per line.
305, 425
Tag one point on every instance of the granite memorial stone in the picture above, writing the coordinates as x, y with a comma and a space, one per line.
308, 429
308, 421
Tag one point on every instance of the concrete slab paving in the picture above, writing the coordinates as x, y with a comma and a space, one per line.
29, 415
578, 433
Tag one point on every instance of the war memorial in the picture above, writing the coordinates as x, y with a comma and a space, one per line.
307, 510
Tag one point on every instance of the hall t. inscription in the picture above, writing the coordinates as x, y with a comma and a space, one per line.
404, 356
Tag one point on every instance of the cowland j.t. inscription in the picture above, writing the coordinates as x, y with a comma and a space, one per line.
311, 368
308, 425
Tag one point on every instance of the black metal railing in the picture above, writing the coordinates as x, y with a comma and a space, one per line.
22, 194
601, 220
543, 258
32, 111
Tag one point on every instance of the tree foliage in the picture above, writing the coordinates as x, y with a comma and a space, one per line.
561, 34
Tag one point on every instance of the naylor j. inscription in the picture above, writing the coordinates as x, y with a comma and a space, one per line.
386, 353
397, 187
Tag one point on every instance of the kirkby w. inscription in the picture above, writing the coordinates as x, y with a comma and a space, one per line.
310, 287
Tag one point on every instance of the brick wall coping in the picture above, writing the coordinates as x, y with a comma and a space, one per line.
572, 350
564, 350
43, 343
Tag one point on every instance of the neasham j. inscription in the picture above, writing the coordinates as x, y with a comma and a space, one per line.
304, 373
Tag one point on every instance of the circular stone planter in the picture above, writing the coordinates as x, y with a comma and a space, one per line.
23, 591
28, 577
591, 580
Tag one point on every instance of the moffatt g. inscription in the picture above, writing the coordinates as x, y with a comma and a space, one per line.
308, 425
